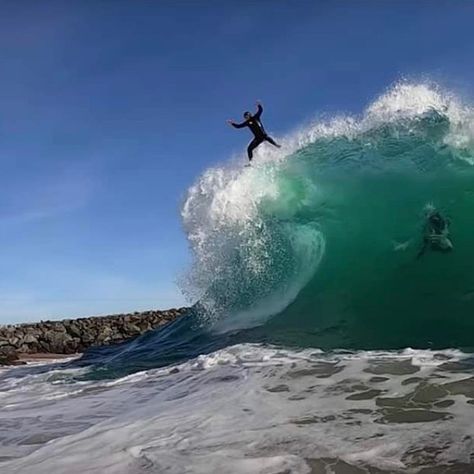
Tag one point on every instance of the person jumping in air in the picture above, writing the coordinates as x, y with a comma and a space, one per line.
255, 125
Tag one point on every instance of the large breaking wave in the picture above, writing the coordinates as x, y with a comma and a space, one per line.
320, 238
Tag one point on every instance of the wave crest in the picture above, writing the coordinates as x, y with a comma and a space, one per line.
338, 193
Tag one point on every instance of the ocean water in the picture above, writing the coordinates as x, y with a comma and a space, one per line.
321, 341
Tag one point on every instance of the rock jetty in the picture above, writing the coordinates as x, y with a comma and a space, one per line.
71, 336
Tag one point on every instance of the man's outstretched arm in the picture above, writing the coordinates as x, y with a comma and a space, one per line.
237, 125
259, 110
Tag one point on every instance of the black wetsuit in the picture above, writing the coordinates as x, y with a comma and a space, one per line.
254, 124
435, 226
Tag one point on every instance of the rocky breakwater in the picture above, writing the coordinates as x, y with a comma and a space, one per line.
71, 336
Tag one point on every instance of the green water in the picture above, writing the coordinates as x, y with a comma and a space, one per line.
370, 289
320, 248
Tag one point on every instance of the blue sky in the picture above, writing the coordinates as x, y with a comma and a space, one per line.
110, 110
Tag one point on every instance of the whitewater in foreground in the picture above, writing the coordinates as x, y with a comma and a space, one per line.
320, 343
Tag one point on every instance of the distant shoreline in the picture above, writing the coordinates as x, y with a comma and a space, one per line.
46, 340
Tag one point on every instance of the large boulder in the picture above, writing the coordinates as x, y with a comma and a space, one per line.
9, 356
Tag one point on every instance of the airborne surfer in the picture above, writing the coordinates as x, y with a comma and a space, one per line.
255, 125
436, 233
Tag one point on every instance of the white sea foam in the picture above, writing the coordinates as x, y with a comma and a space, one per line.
247, 408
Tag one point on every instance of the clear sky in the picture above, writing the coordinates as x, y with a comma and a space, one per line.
110, 110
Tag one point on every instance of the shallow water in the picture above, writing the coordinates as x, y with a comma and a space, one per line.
247, 408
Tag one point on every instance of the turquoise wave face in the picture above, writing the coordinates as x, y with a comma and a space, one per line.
370, 289
318, 245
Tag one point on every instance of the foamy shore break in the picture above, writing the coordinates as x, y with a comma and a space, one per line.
72, 336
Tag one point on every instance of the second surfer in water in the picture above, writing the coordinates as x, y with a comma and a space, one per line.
436, 232
255, 125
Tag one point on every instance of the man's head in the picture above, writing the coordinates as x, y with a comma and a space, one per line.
247, 115
435, 217
437, 222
